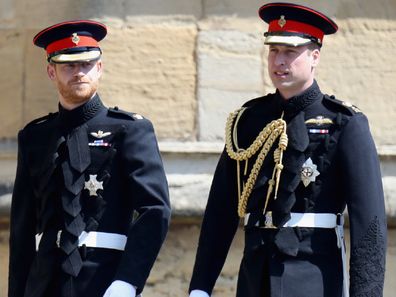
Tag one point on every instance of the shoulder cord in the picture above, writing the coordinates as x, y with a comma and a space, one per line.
265, 141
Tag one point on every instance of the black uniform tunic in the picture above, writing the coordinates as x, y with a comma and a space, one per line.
300, 262
57, 155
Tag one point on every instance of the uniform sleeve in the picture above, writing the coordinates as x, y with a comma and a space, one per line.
148, 188
22, 228
365, 200
218, 228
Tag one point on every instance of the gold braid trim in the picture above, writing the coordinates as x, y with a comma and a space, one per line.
265, 140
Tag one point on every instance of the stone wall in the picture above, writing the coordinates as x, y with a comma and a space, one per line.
186, 64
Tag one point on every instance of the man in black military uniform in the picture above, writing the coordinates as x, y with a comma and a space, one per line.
90, 206
293, 161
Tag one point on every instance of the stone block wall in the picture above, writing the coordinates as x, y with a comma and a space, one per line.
186, 64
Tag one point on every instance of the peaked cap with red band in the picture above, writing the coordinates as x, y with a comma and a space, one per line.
295, 25
72, 41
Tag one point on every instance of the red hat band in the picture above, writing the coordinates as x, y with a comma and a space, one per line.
71, 42
283, 25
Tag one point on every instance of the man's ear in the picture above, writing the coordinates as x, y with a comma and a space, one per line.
315, 57
51, 71
99, 66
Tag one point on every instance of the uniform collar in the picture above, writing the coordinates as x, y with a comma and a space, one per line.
76, 117
297, 103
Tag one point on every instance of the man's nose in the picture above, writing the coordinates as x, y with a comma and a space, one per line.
279, 60
79, 70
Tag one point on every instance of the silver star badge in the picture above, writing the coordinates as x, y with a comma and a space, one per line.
309, 172
93, 185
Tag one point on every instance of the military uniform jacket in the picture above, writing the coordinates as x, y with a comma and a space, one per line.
89, 169
300, 262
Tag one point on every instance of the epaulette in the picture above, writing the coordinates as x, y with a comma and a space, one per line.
115, 111
42, 119
342, 105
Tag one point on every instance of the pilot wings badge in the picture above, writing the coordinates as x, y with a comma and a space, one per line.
100, 134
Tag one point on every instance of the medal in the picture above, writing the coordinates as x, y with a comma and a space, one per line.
318, 131
99, 142
93, 185
309, 172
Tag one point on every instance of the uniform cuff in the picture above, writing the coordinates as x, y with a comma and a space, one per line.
198, 293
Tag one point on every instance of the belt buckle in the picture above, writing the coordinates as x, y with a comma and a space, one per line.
268, 223
340, 219
58, 238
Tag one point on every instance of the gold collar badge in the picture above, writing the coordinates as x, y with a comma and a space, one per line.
75, 38
350, 105
282, 21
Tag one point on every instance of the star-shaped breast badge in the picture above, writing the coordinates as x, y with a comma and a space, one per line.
309, 172
93, 185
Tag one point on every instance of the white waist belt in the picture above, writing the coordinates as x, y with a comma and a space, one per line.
316, 220
102, 240
94, 239
312, 220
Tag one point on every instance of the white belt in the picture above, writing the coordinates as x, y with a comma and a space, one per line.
102, 240
94, 239
315, 220
312, 220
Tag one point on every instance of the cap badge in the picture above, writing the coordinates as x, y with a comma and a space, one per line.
309, 172
100, 134
282, 21
75, 38
93, 185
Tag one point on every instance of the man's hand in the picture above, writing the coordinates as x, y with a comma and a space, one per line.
120, 289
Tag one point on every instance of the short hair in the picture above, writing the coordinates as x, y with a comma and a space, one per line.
313, 46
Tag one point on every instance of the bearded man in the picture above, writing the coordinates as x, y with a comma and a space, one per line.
90, 206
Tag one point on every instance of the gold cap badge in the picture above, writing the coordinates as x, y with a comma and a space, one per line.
75, 38
282, 21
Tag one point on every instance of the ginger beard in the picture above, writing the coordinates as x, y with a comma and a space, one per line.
77, 90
